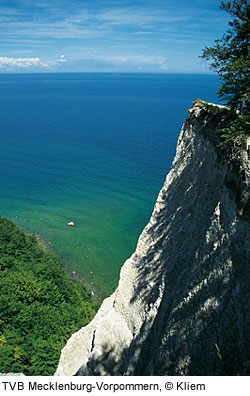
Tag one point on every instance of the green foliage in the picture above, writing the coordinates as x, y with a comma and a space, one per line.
233, 128
236, 132
231, 54
230, 58
40, 306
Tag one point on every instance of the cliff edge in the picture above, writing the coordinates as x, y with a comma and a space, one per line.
182, 304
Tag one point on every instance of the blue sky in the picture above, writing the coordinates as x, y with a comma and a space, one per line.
108, 35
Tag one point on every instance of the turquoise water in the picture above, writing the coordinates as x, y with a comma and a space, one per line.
93, 149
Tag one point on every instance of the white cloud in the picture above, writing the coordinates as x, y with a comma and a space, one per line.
112, 61
134, 59
20, 62
46, 22
139, 17
27, 63
124, 62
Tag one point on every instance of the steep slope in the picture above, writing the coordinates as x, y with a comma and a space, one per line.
182, 303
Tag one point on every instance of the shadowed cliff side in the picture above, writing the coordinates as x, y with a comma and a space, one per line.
182, 303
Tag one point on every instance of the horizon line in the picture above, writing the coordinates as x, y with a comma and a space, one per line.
107, 72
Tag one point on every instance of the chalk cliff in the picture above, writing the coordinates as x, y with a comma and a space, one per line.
183, 300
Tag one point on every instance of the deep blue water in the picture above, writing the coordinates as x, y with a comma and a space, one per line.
95, 149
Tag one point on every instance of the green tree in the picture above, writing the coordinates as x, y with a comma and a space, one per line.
40, 306
230, 56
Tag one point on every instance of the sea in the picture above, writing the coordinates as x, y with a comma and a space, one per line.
92, 148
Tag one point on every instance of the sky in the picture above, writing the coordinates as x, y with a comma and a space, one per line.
156, 36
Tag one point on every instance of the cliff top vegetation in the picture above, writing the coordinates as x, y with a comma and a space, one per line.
230, 58
230, 55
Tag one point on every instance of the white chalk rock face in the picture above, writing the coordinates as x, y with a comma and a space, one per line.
182, 303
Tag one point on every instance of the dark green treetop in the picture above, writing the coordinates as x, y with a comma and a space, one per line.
230, 55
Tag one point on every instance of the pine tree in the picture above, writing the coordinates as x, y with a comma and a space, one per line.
230, 56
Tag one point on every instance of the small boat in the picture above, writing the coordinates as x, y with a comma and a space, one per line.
71, 224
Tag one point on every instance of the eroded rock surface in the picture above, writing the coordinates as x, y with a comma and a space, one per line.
182, 303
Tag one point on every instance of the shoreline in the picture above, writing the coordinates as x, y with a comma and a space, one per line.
96, 294
40, 240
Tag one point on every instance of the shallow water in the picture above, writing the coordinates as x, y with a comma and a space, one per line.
93, 149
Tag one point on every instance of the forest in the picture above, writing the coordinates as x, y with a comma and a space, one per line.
40, 305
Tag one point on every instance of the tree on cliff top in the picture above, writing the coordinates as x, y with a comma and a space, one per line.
231, 55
